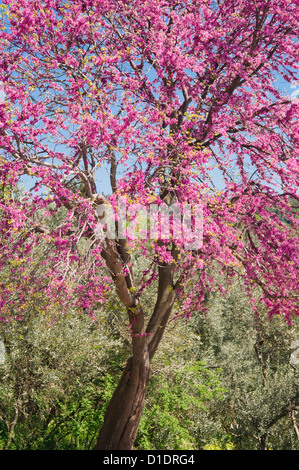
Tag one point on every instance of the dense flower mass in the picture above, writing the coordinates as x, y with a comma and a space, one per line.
169, 100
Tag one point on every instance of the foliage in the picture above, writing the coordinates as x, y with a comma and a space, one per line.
221, 381
261, 403
174, 402
56, 381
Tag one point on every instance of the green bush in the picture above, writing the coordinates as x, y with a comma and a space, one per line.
173, 406
260, 408
56, 382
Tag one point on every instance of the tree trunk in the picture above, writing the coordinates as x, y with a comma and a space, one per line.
126, 405
125, 408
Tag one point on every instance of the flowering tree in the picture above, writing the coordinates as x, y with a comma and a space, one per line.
166, 96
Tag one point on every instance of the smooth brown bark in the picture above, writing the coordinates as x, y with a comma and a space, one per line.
125, 408
124, 411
